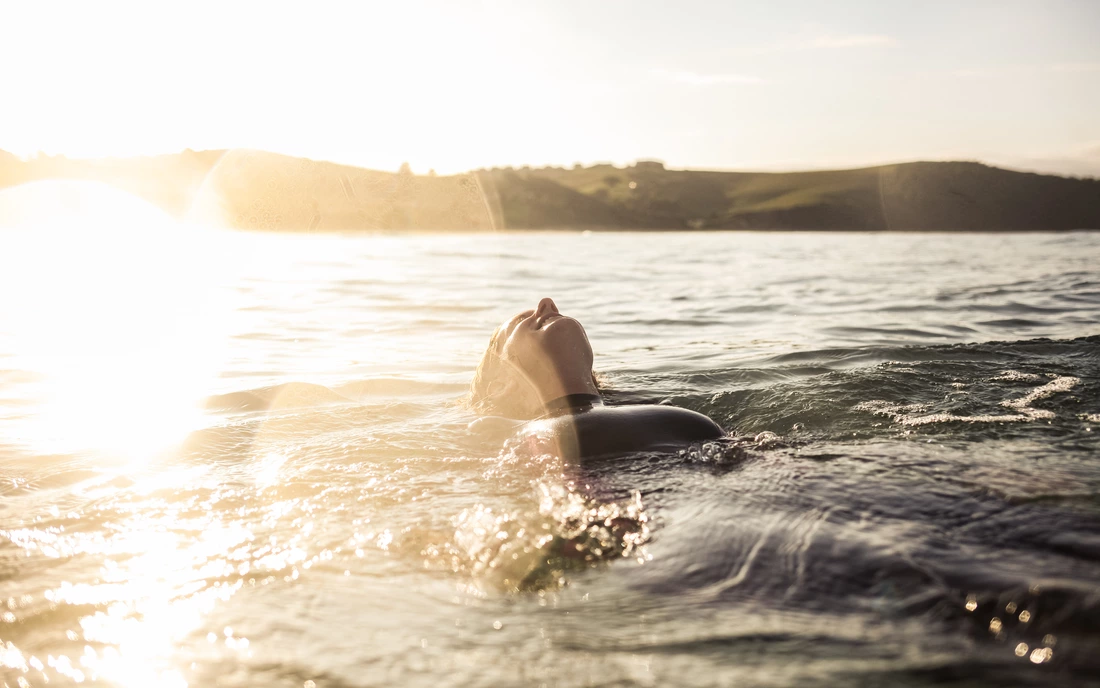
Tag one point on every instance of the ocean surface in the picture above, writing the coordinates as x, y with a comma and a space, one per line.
241, 460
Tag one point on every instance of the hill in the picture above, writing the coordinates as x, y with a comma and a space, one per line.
259, 190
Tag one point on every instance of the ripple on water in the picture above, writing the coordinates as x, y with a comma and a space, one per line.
331, 519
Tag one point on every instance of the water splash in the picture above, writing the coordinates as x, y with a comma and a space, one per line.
525, 550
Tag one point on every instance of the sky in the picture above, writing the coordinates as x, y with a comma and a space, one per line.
455, 85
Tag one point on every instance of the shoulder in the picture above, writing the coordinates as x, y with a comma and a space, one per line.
623, 429
653, 412
672, 422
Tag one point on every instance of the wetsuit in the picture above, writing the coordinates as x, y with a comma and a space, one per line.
583, 428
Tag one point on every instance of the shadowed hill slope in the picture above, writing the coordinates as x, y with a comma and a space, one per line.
259, 190
910, 196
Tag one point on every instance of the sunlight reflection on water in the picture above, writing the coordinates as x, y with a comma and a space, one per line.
115, 316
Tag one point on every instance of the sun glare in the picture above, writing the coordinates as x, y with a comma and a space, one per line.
111, 315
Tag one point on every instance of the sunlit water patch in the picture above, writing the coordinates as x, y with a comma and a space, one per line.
240, 460
114, 324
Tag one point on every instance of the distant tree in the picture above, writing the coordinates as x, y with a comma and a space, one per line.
431, 172
578, 166
405, 169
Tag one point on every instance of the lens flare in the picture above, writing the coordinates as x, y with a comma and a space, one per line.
112, 319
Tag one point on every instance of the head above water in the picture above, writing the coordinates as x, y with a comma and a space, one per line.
535, 357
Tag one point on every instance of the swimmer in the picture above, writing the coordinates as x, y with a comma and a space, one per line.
536, 378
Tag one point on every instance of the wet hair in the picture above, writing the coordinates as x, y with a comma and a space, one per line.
498, 390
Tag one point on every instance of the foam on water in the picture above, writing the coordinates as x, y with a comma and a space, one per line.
916, 414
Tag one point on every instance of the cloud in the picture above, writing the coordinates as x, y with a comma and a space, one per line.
1076, 67
815, 37
697, 79
815, 40
1028, 70
988, 73
858, 40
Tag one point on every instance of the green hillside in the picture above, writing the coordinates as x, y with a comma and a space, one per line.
259, 190
911, 196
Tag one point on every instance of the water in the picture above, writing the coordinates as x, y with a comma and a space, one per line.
910, 493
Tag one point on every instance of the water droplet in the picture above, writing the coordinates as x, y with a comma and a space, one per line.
1025, 616
1040, 655
498, 625
1021, 649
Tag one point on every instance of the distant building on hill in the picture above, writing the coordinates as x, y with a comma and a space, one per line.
649, 165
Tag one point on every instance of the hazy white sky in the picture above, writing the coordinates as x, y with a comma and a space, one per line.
456, 85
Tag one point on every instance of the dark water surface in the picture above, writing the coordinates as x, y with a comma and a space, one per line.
910, 493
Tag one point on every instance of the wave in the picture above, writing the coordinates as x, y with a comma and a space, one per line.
841, 392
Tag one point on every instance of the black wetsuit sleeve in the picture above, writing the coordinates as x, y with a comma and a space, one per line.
625, 429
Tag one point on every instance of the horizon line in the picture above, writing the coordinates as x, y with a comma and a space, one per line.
526, 166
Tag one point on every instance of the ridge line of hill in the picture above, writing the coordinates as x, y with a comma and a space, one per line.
260, 190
